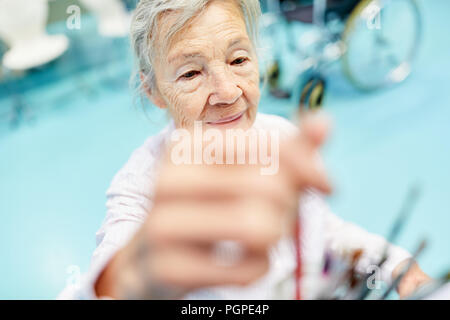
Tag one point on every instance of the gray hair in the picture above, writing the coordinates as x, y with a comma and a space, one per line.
144, 27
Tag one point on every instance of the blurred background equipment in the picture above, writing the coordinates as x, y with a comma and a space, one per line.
113, 18
376, 40
35, 59
25, 33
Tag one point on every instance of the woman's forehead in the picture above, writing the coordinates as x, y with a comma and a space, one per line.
181, 51
221, 24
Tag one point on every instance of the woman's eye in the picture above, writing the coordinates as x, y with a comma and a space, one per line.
239, 61
190, 74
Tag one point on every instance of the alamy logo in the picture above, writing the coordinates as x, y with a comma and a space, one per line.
374, 280
372, 14
234, 146
74, 19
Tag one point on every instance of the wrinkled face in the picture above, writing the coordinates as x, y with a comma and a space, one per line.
210, 72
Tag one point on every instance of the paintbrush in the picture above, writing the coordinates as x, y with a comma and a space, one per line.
403, 216
333, 270
405, 212
350, 280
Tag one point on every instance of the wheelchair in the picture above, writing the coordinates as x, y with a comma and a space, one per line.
375, 40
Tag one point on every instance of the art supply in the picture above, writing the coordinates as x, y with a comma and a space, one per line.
405, 212
328, 264
353, 280
348, 278
337, 273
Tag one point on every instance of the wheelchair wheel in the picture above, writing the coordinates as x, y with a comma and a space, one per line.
273, 77
273, 74
312, 94
381, 39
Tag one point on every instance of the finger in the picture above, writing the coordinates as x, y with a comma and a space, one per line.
300, 155
210, 183
251, 223
194, 267
316, 128
302, 166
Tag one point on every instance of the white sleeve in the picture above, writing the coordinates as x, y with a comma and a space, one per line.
342, 237
128, 201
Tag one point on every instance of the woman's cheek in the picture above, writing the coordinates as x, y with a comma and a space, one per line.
253, 97
189, 86
249, 73
250, 79
187, 107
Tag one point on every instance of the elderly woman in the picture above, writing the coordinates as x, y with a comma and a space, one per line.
197, 59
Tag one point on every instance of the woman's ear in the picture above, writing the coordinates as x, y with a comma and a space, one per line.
153, 95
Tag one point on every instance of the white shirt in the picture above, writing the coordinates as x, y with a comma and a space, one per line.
129, 200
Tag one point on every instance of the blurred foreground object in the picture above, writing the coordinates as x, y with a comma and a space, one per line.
113, 18
22, 27
376, 40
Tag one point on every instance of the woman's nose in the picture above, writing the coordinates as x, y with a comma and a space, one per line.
225, 89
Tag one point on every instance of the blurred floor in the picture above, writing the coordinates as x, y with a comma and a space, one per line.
56, 166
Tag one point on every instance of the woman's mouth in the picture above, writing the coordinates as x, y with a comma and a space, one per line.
227, 120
